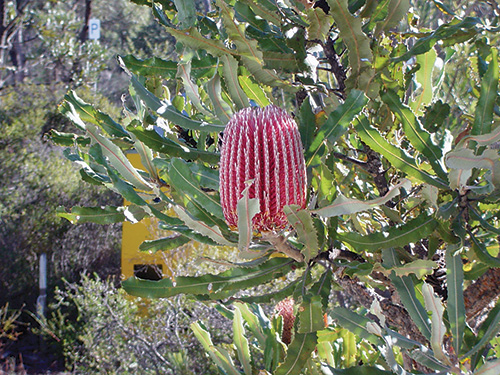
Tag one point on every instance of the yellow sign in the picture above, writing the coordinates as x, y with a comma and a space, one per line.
135, 262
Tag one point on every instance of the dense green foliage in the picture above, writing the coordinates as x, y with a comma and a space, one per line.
398, 117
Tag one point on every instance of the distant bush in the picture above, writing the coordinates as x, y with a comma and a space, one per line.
103, 330
35, 181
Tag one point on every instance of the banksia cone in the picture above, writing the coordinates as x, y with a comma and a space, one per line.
285, 309
263, 145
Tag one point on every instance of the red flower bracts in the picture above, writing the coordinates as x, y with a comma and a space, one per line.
263, 145
285, 309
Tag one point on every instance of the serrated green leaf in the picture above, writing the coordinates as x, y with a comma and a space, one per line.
482, 253
423, 76
220, 356
396, 10
311, 315
302, 222
426, 357
182, 179
146, 156
241, 342
201, 227
266, 9
246, 209
207, 177
170, 113
99, 215
465, 159
489, 329
346, 206
163, 244
489, 368
455, 302
274, 296
395, 155
258, 323
306, 123
416, 134
190, 88
434, 305
319, 23
406, 289
254, 91
299, 352
355, 323
481, 140
251, 57
80, 112
154, 66
453, 32
68, 139
192, 38
213, 286
337, 122
222, 109
231, 79
186, 12
166, 146
489, 91
410, 232
118, 159
358, 44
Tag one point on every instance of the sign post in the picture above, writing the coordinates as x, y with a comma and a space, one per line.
94, 28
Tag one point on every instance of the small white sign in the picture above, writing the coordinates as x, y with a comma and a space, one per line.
94, 28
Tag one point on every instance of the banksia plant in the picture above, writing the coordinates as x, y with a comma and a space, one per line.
263, 146
284, 308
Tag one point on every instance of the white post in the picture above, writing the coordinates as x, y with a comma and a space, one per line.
42, 282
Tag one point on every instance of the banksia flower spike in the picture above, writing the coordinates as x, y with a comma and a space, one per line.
284, 308
262, 145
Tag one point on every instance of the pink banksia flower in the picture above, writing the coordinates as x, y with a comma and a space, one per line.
284, 308
262, 145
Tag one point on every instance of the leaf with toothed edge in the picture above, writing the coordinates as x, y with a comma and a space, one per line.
118, 159
395, 155
218, 286
222, 109
346, 206
246, 208
212, 232
298, 353
302, 222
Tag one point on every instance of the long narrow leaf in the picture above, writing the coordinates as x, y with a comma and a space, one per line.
456, 305
416, 134
210, 285
337, 122
166, 146
299, 351
395, 155
99, 215
489, 91
169, 112
118, 159
414, 230
406, 289
241, 342
181, 177
163, 244
302, 222
346, 206
246, 208
355, 323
